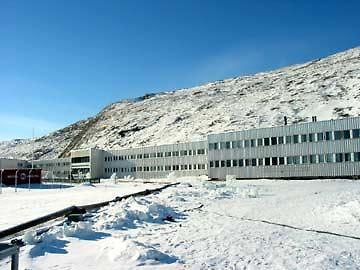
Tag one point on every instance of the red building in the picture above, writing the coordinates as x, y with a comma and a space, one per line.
21, 176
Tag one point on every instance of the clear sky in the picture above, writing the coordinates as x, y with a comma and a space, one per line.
63, 61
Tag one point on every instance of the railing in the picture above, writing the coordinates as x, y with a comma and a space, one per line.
9, 250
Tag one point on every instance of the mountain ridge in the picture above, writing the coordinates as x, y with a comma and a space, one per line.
327, 87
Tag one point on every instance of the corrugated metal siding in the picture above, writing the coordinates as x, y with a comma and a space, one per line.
284, 150
158, 161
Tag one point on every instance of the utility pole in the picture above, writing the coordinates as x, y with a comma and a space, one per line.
16, 178
1, 178
33, 149
30, 178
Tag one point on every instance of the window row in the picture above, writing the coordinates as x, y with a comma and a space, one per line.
291, 160
43, 165
157, 155
160, 168
297, 138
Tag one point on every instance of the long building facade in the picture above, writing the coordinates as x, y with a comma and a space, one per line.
324, 149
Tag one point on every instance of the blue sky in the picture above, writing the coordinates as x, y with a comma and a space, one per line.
63, 61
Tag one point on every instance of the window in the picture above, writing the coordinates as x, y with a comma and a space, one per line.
211, 146
260, 162
288, 139
253, 162
252, 142
281, 161
247, 143
201, 151
329, 158
247, 162
146, 155
167, 154
328, 135
338, 134
190, 166
211, 164
346, 134
182, 167
356, 133
296, 159
239, 144
273, 140
222, 163
228, 163
139, 156
296, 138
175, 153
234, 163
222, 145
339, 157
312, 159
183, 153
347, 157
105, 159
274, 161
281, 140
289, 160
357, 156
190, 152
312, 137
320, 137
304, 160
267, 161
227, 145
216, 146
186, 166
216, 164
234, 144
80, 159
241, 163
321, 158
303, 138
266, 141
259, 142
159, 154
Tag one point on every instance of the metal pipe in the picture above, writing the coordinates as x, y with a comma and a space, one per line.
15, 261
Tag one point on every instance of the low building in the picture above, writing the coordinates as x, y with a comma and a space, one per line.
309, 150
58, 168
324, 149
9, 163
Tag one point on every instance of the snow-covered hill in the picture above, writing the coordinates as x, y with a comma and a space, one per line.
328, 88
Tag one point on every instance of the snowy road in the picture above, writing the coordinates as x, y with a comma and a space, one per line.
217, 235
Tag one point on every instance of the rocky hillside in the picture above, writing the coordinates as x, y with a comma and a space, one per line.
328, 88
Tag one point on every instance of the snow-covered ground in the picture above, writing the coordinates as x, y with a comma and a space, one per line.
24, 205
204, 225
